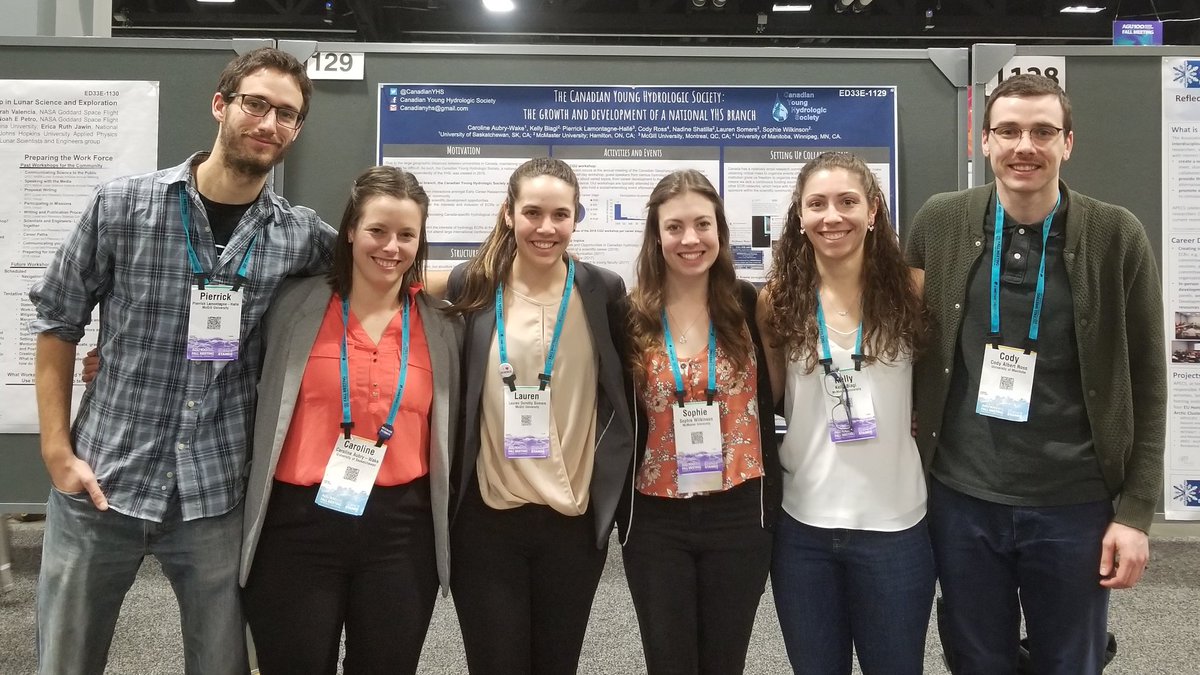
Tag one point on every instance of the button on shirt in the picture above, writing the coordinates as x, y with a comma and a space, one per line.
153, 425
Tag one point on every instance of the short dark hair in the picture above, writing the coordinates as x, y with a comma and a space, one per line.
378, 181
268, 58
1028, 85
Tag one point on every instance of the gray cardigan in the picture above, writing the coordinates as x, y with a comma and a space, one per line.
290, 328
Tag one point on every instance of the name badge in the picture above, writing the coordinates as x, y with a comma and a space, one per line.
350, 475
1006, 383
700, 463
214, 323
527, 423
849, 408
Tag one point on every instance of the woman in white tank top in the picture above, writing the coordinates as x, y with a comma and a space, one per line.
841, 315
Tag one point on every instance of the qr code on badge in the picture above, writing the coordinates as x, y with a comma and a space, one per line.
1006, 384
214, 323
526, 420
697, 438
351, 473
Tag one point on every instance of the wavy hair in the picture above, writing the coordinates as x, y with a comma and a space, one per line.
267, 58
493, 262
648, 298
378, 181
893, 314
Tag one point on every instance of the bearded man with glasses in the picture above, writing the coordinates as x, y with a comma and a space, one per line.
1041, 400
183, 263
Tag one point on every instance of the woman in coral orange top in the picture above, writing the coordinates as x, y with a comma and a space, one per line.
704, 494
347, 502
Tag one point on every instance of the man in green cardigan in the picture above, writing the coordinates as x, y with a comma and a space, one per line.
1041, 399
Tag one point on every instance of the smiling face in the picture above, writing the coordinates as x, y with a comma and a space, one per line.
252, 145
1026, 170
835, 213
687, 230
384, 243
542, 218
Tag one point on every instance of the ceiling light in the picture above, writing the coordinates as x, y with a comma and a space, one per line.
718, 4
216, 2
1081, 9
698, 4
499, 5
841, 6
791, 8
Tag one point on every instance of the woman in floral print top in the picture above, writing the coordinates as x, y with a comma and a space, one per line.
703, 496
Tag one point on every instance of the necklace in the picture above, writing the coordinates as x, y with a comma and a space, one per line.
682, 337
840, 312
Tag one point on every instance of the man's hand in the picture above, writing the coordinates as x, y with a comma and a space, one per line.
91, 365
73, 476
1123, 556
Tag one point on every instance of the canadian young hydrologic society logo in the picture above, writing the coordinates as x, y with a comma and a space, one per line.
1188, 493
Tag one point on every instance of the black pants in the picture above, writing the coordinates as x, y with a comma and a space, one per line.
697, 569
316, 570
523, 580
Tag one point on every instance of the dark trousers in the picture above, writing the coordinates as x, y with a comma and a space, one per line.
317, 570
523, 580
697, 569
995, 562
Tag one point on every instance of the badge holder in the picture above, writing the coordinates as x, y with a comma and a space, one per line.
699, 447
526, 408
1006, 375
355, 462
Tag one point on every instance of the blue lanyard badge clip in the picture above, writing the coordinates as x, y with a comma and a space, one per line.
994, 337
507, 372
710, 392
826, 359
387, 430
198, 274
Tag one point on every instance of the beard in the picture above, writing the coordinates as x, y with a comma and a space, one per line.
237, 159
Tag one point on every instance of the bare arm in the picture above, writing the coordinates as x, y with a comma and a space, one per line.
54, 368
775, 360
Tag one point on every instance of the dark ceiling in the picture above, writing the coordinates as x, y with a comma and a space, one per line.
878, 23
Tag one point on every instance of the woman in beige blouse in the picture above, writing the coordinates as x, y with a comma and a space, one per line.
547, 442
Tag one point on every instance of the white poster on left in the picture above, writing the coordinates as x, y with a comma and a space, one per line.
59, 139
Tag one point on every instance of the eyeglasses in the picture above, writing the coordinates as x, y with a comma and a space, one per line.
259, 107
1039, 135
835, 387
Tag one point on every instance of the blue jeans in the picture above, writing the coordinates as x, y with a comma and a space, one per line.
995, 561
89, 561
835, 588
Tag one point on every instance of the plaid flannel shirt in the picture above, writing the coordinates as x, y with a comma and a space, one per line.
153, 425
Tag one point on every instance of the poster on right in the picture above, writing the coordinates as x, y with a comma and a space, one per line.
1181, 283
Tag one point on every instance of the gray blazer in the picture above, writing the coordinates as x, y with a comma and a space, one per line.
290, 328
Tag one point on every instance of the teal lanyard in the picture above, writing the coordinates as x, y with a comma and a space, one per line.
823, 332
506, 370
198, 272
385, 431
680, 393
1035, 319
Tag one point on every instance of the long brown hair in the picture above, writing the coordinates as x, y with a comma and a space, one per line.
493, 262
378, 181
648, 298
893, 315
